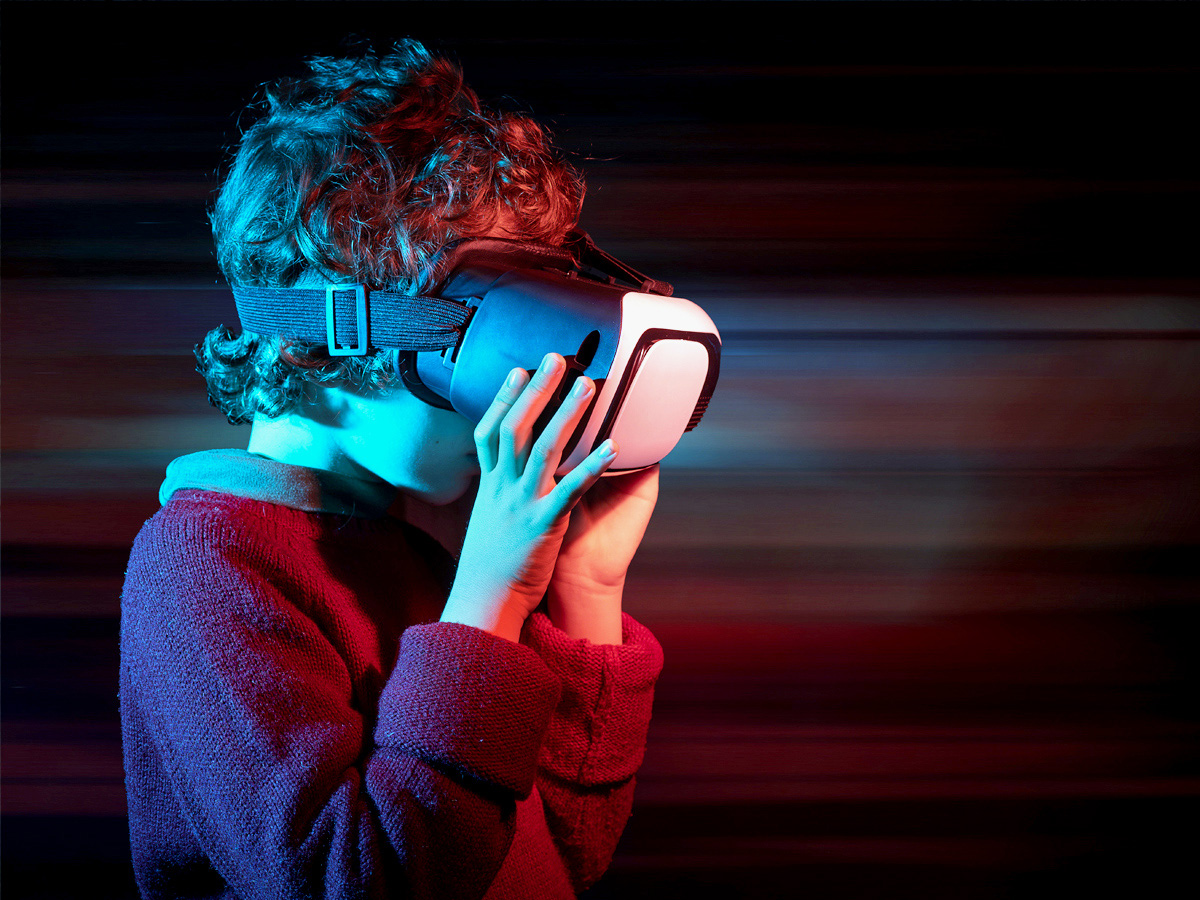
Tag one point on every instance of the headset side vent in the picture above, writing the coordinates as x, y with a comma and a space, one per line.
698, 412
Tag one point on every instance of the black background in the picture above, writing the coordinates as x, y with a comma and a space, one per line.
765, 158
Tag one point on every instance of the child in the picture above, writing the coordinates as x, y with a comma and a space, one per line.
316, 701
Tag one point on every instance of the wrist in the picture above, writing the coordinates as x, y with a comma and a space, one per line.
498, 620
592, 613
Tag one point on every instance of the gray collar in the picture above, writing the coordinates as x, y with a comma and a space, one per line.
246, 474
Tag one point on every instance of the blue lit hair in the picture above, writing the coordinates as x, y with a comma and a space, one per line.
361, 172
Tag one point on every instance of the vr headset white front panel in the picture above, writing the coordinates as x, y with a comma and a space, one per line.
657, 388
656, 408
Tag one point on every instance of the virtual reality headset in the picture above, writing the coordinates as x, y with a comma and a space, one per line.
492, 305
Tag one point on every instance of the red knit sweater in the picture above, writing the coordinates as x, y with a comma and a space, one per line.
297, 723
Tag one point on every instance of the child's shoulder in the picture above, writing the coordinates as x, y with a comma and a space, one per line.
197, 529
209, 532
203, 522
197, 514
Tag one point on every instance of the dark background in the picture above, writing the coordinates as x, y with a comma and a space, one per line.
925, 576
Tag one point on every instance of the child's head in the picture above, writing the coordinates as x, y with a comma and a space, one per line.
361, 172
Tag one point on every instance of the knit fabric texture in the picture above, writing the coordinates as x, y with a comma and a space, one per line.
298, 723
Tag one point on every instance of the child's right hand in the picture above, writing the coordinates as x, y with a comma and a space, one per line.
520, 513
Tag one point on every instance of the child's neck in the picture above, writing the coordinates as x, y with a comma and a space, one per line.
301, 441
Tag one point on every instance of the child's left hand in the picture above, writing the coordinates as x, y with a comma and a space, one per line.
606, 527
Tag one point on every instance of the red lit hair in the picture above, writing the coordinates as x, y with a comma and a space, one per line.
361, 172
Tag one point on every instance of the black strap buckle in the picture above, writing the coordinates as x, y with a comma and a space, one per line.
361, 321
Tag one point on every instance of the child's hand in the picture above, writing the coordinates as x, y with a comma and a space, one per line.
606, 529
520, 514
589, 577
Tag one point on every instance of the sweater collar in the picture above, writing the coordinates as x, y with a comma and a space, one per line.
246, 474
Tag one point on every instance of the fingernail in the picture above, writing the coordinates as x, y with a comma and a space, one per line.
514, 378
580, 388
609, 449
551, 363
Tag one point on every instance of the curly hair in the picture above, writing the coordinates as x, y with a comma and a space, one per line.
362, 172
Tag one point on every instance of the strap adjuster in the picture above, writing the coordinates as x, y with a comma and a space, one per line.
361, 321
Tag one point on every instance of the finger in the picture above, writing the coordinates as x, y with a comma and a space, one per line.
546, 453
516, 429
576, 482
487, 432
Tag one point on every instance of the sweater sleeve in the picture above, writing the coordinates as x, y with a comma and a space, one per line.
251, 710
596, 739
